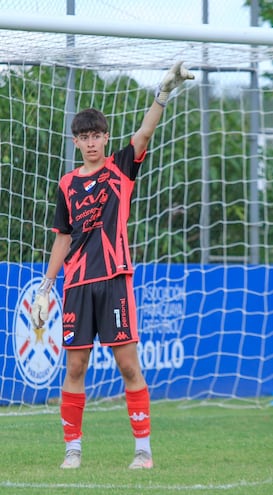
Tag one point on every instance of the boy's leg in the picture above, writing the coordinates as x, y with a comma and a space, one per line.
78, 333
116, 310
72, 408
138, 403
72, 405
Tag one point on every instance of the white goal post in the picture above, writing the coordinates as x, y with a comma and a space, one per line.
201, 228
136, 30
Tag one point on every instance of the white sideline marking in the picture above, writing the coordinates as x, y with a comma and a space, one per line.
178, 488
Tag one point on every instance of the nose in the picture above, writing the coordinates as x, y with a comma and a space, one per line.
91, 140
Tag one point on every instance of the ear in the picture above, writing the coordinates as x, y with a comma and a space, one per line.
75, 141
106, 138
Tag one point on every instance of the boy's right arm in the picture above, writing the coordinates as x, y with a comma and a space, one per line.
173, 79
60, 249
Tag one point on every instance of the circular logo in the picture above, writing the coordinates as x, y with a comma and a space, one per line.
38, 351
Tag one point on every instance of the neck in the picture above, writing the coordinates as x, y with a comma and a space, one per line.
91, 167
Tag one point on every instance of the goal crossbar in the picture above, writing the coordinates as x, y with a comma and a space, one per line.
200, 229
77, 25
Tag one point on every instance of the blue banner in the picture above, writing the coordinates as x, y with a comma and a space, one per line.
206, 331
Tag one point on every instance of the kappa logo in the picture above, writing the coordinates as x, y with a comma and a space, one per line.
71, 192
121, 336
38, 352
139, 417
66, 423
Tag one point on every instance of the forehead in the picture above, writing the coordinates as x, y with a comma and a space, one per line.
89, 133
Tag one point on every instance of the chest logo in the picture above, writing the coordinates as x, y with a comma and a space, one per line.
89, 185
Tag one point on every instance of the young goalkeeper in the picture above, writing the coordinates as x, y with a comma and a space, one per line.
92, 210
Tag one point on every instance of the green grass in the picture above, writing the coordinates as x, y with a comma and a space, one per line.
208, 450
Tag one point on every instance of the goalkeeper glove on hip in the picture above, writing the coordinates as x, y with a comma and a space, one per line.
174, 78
40, 307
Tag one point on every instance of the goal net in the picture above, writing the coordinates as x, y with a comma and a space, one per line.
201, 230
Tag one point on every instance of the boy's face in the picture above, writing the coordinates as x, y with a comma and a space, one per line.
92, 145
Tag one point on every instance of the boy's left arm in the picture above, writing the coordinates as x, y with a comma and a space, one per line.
174, 78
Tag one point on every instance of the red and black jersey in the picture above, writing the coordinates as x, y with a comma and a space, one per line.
94, 210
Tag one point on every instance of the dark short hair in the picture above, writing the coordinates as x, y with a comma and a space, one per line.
89, 120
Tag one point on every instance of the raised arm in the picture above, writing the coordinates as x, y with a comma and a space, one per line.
174, 78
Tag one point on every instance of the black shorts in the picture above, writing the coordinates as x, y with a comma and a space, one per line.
106, 308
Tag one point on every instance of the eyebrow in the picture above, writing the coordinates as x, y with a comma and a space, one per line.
84, 133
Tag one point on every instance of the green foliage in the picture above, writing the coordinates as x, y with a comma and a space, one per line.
265, 9
266, 15
30, 155
33, 103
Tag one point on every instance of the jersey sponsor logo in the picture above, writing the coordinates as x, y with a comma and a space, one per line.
104, 177
93, 213
68, 327
69, 317
92, 222
91, 199
139, 417
38, 352
89, 185
123, 313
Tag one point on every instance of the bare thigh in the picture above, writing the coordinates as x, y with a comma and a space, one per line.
76, 367
128, 363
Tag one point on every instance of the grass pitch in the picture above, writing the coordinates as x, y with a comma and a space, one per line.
208, 450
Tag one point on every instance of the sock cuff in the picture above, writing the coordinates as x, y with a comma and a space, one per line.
78, 399
135, 394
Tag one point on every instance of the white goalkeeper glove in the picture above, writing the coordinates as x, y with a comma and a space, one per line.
174, 78
40, 307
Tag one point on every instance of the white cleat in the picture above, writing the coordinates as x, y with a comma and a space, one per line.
72, 460
142, 460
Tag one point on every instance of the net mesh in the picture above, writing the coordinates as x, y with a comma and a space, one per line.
201, 223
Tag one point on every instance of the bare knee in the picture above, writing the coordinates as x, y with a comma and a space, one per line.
75, 370
129, 367
129, 371
76, 366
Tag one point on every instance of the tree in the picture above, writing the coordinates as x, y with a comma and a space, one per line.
265, 10
33, 148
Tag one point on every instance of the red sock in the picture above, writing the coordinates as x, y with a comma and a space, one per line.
138, 405
72, 407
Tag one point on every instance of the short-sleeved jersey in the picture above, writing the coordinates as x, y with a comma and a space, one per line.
94, 210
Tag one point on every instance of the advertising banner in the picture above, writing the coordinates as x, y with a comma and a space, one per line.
205, 331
